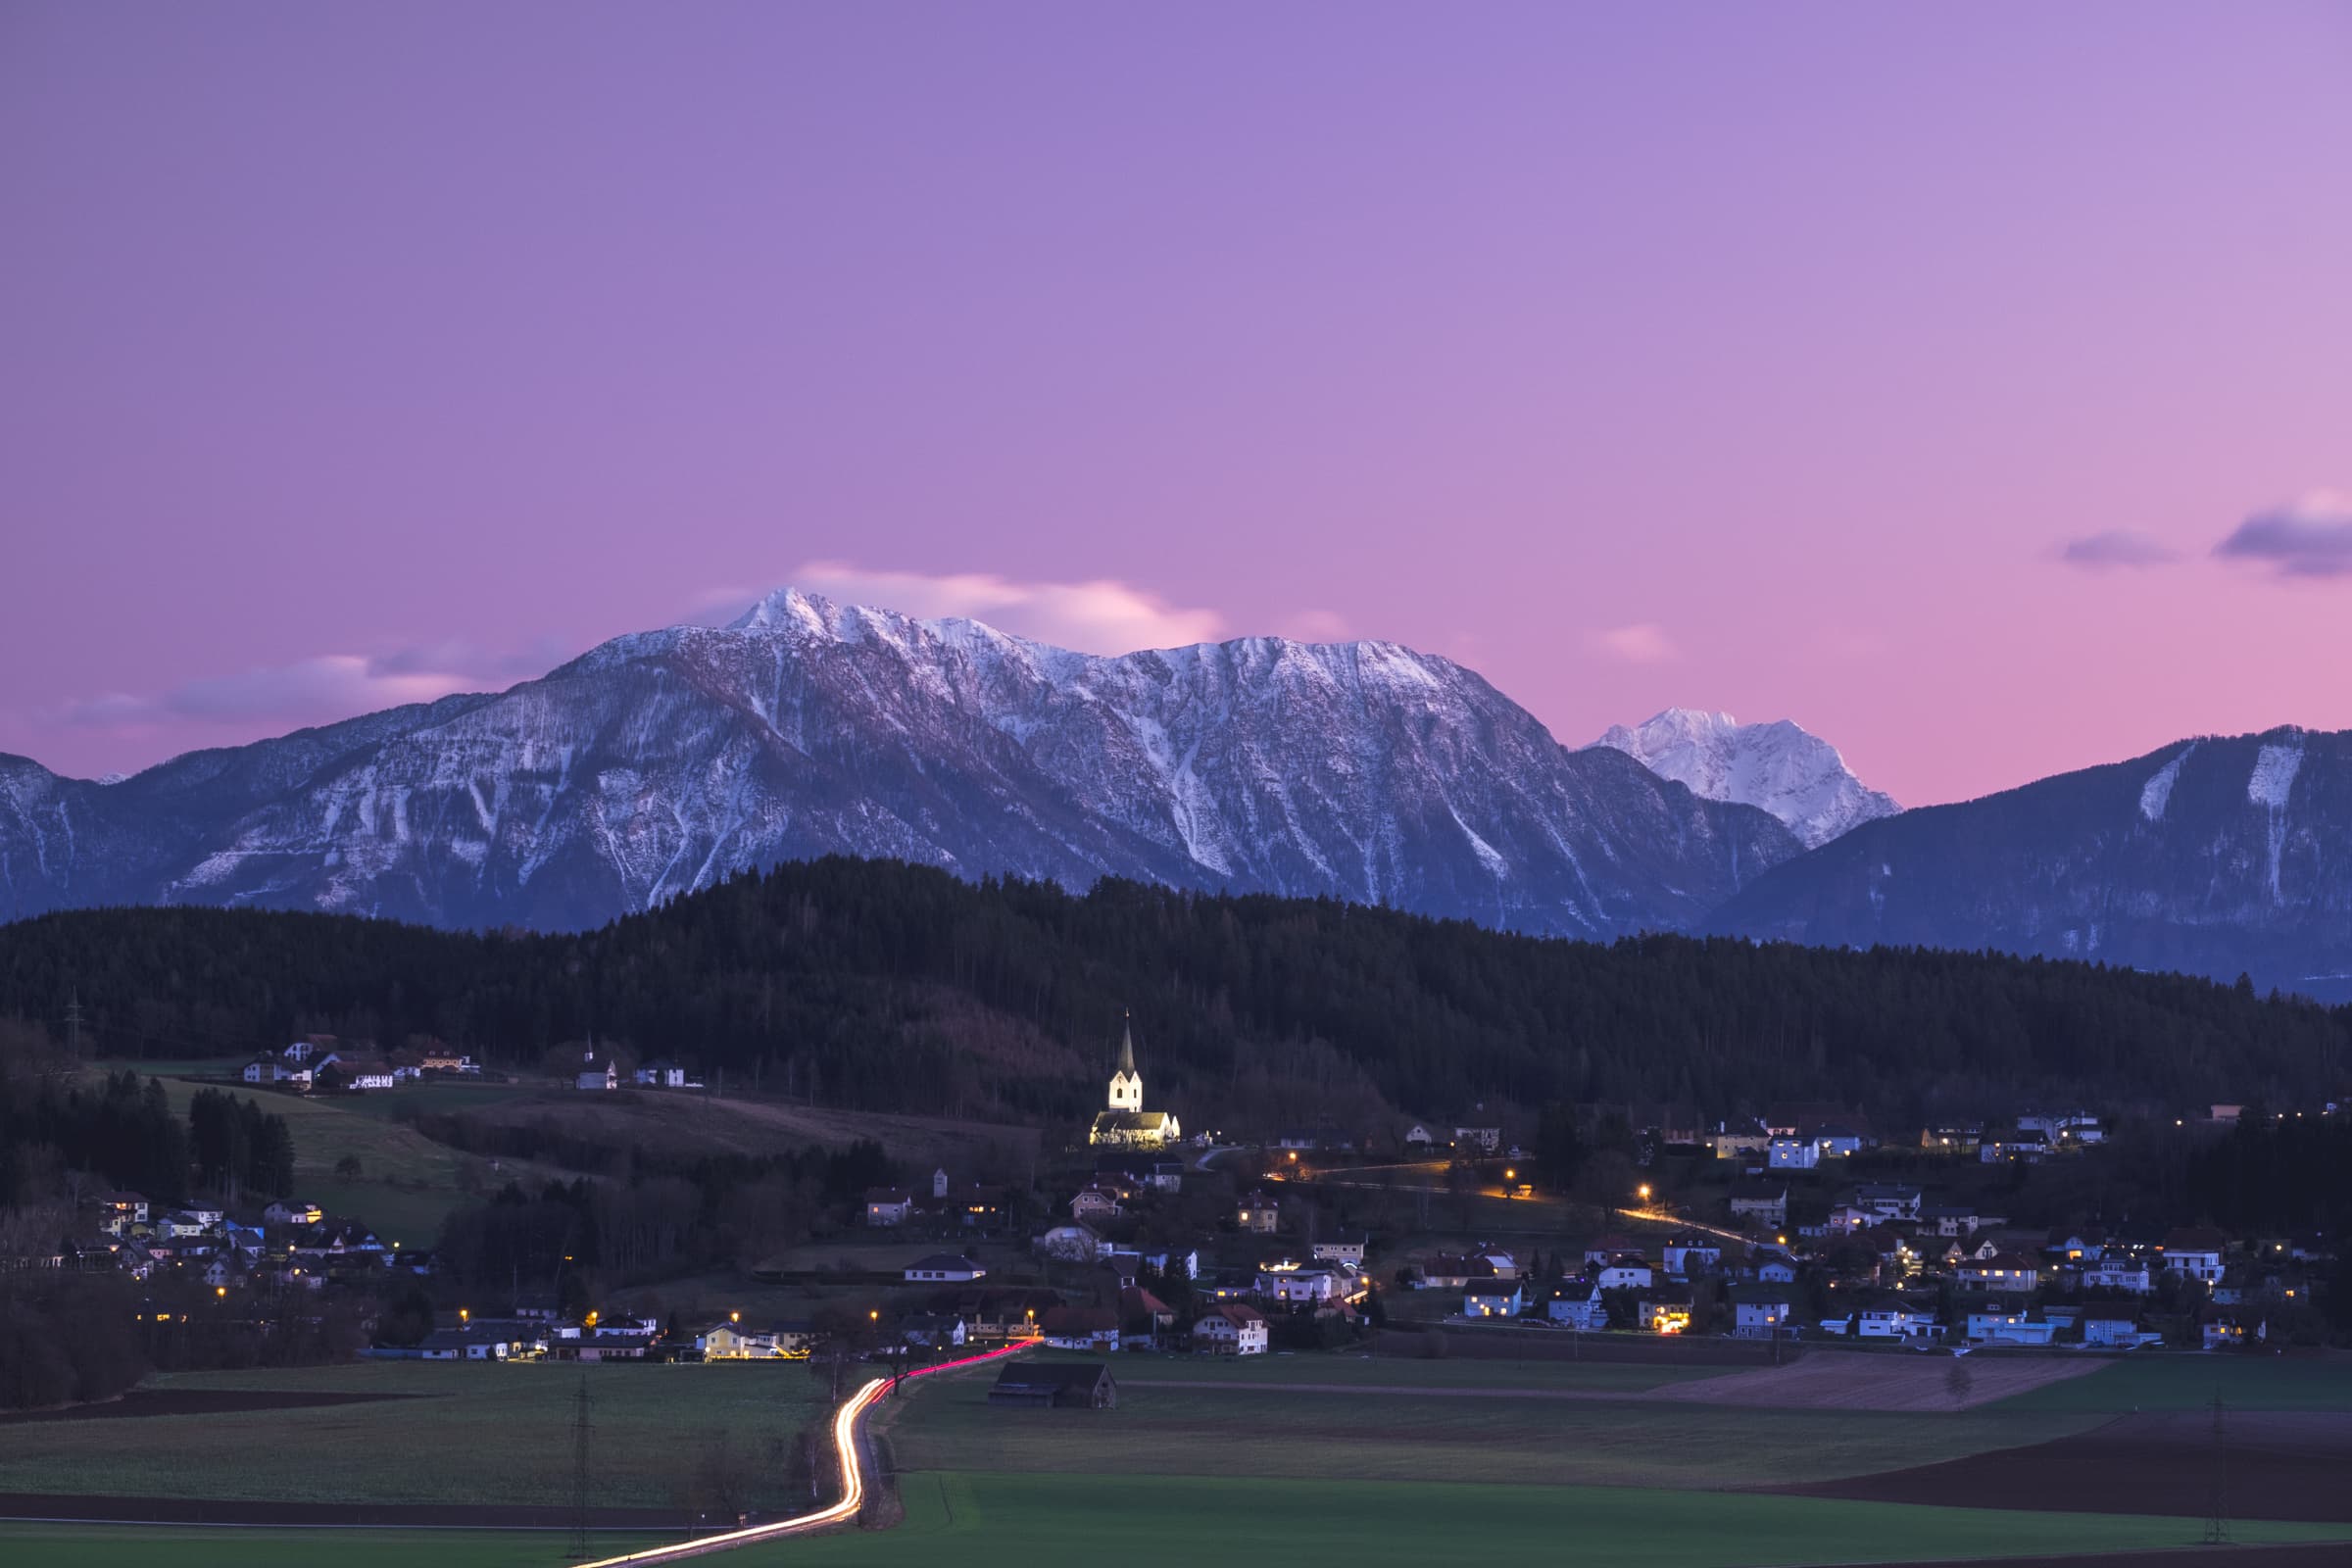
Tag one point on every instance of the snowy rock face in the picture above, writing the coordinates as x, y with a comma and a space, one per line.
662, 762
1796, 777
2214, 856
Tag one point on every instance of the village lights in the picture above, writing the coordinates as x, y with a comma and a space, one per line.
1645, 1190
734, 1317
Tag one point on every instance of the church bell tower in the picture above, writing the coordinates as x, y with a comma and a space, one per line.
1126, 1083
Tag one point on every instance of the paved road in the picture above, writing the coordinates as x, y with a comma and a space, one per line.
852, 1471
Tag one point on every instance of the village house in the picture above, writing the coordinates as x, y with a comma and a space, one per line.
888, 1206
1890, 1318
2116, 1330
1258, 1215
1145, 1320
2002, 1271
450, 1061
2025, 1146
1578, 1307
950, 1266
1294, 1285
1953, 1138
2116, 1272
1096, 1203
292, 1212
1764, 1202
1629, 1272
1478, 1139
118, 1212
1775, 1268
1789, 1152
1953, 1220
603, 1078
1666, 1311
1889, 1200
1740, 1140
1340, 1250
1758, 1311
2195, 1253
1080, 1327
1235, 1329
2009, 1323
661, 1075
2219, 1331
1690, 1254
1492, 1298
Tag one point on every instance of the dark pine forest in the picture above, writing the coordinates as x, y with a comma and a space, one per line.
883, 986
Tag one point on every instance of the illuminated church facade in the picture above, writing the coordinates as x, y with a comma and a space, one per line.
1125, 1123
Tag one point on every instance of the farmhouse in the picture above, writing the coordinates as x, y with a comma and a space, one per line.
1056, 1385
888, 1206
1080, 1327
944, 1266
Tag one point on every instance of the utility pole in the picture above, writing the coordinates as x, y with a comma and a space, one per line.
73, 1021
581, 1430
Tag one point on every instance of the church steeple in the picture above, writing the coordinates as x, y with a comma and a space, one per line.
1126, 1083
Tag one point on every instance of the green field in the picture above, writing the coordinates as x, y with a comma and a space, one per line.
1272, 1432
407, 1183
2189, 1382
136, 1547
465, 1433
1012, 1521
1357, 1371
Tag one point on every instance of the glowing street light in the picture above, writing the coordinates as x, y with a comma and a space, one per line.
1645, 1192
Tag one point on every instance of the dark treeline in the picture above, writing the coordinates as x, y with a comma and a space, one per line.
886, 986
118, 1128
2289, 1177
67, 1336
241, 1152
655, 1216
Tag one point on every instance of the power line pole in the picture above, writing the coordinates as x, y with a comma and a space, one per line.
73, 1021
581, 1429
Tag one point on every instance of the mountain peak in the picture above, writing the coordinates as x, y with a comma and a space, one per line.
1778, 766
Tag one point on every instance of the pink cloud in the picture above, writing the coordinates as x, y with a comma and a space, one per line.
1102, 615
1640, 642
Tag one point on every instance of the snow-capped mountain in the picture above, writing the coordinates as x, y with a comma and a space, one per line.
665, 760
1795, 775
2216, 856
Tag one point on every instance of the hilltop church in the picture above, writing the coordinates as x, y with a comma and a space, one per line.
1127, 1124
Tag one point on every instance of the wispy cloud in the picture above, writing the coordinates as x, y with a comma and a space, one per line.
2117, 548
320, 689
1641, 643
2311, 537
1102, 615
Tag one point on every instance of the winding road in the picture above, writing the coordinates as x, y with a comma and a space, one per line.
852, 1471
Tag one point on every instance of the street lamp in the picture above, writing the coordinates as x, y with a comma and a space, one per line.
1644, 1190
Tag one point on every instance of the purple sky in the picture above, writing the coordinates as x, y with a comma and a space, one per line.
1896, 369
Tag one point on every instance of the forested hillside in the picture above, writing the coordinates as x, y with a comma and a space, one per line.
879, 985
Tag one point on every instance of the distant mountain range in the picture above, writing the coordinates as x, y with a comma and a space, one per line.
665, 761
1796, 777
2216, 856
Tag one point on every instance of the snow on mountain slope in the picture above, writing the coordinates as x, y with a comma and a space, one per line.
662, 762
2214, 856
1796, 777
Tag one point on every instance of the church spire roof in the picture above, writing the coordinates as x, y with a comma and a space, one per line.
1127, 1046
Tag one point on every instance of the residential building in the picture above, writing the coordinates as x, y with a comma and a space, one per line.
2195, 1253
944, 1266
888, 1206
1492, 1298
1234, 1329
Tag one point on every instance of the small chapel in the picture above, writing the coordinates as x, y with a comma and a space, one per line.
1126, 1124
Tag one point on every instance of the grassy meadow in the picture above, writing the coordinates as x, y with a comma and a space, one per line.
459, 1433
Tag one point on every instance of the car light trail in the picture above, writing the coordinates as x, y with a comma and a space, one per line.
852, 1495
